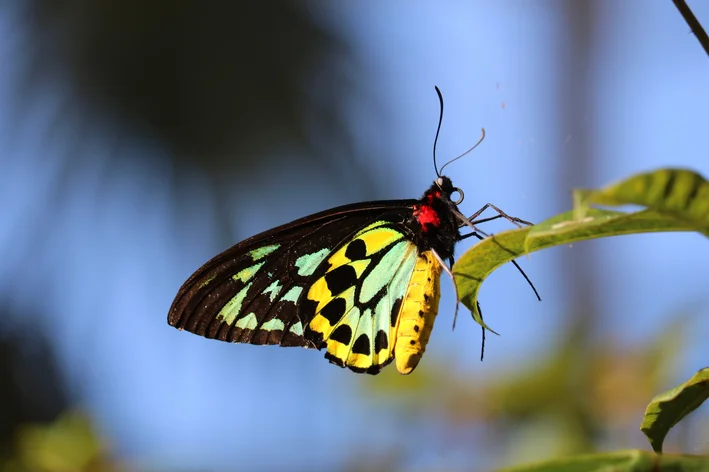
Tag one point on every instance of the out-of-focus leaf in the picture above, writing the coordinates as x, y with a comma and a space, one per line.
668, 408
32, 389
70, 444
564, 229
483, 258
633, 460
572, 396
681, 193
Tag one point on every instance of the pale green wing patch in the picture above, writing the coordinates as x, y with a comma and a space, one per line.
308, 263
260, 253
356, 301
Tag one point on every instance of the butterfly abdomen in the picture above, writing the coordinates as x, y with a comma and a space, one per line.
418, 313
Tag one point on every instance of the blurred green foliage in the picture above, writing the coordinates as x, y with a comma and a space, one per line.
582, 397
70, 444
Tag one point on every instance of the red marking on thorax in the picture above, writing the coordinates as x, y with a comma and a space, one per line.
427, 215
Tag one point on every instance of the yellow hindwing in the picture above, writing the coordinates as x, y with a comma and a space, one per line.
418, 313
355, 314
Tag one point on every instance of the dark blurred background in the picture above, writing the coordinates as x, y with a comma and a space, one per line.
138, 139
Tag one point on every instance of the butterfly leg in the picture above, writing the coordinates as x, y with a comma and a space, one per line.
472, 220
446, 268
482, 348
465, 236
500, 214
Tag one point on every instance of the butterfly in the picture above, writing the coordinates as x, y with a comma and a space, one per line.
361, 281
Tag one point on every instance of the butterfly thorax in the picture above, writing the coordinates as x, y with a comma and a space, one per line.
434, 222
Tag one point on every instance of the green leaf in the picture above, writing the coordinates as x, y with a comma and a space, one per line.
67, 445
476, 264
681, 193
632, 460
483, 258
668, 409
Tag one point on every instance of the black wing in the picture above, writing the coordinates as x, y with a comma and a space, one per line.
251, 292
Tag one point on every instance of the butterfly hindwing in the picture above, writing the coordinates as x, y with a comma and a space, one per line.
354, 305
418, 312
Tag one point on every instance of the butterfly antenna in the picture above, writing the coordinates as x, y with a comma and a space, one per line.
438, 130
466, 152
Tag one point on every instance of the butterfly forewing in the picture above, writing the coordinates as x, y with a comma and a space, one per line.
269, 288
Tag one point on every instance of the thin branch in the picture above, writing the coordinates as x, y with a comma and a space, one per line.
693, 23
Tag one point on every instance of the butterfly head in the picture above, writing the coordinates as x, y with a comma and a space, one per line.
446, 187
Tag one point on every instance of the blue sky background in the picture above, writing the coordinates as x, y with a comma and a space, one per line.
105, 272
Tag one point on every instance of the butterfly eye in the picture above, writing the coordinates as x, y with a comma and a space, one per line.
439, 182
461, 196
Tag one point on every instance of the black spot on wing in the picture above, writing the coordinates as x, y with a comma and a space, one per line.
315, 339
356, 250
341, 279
342, 334
395, 309
361, 345
334, 311
334, 360
307, 309
381, 341
372, 370
376, 368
